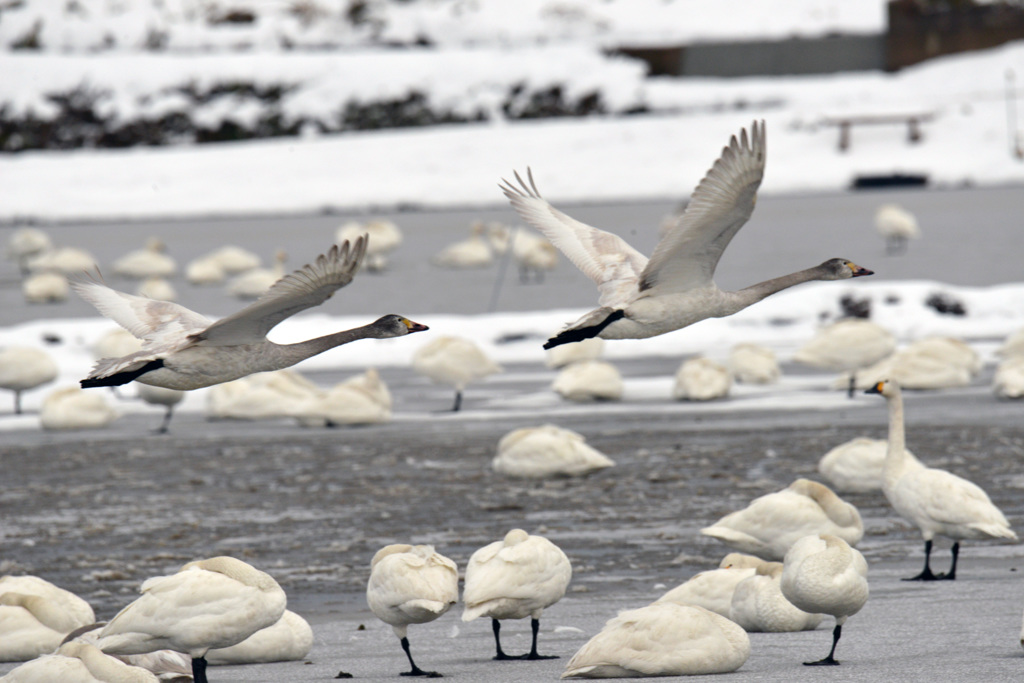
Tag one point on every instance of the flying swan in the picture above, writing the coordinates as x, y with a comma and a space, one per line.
184, 350
674, 289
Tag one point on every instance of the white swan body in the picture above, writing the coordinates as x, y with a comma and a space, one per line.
589, 380
45, 288
204, 271
713, 589
384, 237
234, 259
847, 345
208, 604
66, 260
822, 574
265, 395
701, 379
772, 523
759, 606
411, 585
453, 361
856, 465
931, 363
255, 282
935, 501
534, 255
642, 298
567, 354
517, 577
148, 262
23, 368
1009, 378
115, 343
472, 252
31, 625
78, 610
896, 225
360, 400
78, 662
24, 243
73, 408
753, 364
1013, 345
662, 639
156, 287
289, 639
184, 350
547, 451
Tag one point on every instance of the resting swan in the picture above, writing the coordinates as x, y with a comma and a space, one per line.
936, 501
184, 350
674, 289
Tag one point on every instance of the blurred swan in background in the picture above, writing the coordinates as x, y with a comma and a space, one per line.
453, 361
23, 368
589, 380
547, 451
897, 226
701, 379
148, 262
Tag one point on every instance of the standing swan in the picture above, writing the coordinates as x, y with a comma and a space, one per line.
212, 603
936, 501
641, 298
823, 574
411, 585
184, 350
514, 578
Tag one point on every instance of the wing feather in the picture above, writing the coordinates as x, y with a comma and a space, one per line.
605, 258
305, 288
687, 256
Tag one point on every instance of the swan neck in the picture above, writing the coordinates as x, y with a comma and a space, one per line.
896, 453
751, 295
293, 353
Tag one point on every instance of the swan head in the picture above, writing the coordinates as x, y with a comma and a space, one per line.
392, 325
886, 388
842, 269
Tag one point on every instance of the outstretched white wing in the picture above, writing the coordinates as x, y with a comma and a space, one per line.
723, 201
305, 288
605, 258
156, 323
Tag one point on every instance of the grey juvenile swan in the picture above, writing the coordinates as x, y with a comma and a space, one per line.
674, 289
184, 350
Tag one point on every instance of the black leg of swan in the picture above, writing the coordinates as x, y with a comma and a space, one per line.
853, 383
926, 573
535, 627
199, 670
951, 574
416, 671
569, 336
17, 402
831, 659
167, 421
458, 401
120, 378
496, 627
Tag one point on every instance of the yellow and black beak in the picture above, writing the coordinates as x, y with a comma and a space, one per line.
414, 327
858, 271
876, 388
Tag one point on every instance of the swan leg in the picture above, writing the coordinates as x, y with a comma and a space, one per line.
853, 384
496, 627
926, 573
17, 401
416, 671
199, 670
831, 659
535, 627
167, 421
458, 401
951, 574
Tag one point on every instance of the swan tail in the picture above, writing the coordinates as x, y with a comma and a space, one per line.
120, 378
575, 334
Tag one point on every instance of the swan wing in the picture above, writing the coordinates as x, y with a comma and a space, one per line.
949, 499
687, 256
605, 258
305, 288
159, 324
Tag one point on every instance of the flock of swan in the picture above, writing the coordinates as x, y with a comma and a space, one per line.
796, 560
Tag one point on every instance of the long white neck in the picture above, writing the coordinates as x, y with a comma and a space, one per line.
896, 458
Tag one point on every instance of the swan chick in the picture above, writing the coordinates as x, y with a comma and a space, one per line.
411, 585
675, 288
823, 574
772, 523
662, 639
515, 578
547, 451
935, 501
207, 604
184, 350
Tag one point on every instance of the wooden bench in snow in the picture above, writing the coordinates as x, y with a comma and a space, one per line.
845, 123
